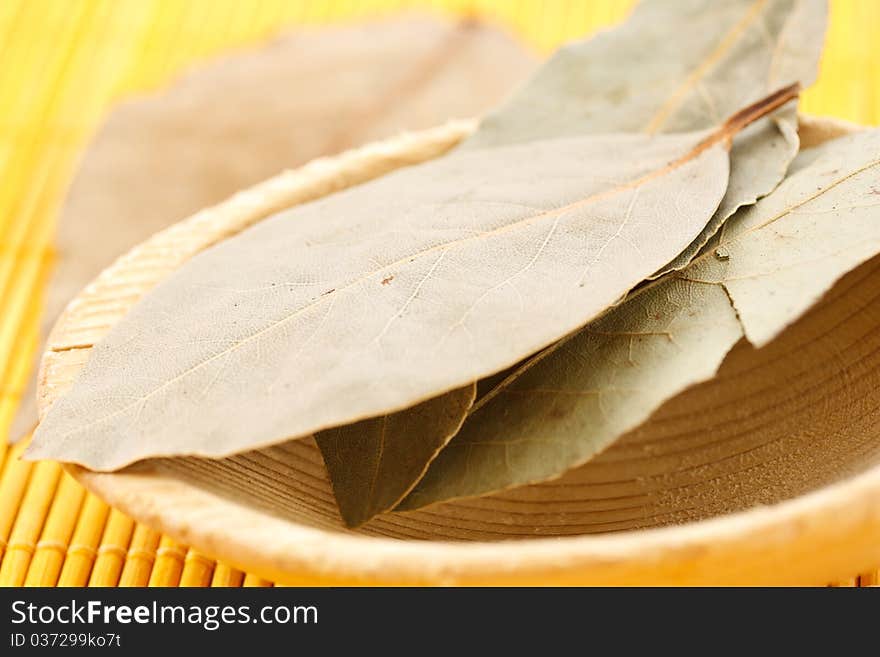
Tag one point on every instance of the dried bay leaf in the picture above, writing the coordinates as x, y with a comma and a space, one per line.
380, 297
162, 157
574, 401
775, 261
674, 67
373, 464
772, 262
726, 56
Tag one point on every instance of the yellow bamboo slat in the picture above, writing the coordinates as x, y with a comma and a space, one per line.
70, 61
22, 360
225, 576
168, 566
83, 546
252, 581
45, 566
197, 569
15, 475
140, 557
112, 551
29, 522
870, 579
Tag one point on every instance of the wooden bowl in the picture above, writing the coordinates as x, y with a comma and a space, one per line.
688, 498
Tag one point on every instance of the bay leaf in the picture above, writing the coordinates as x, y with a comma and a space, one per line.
775, 261
374, 463
377, 298
729, 55
162, 157
772, 262
674, 67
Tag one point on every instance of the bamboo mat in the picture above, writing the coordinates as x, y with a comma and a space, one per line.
64, 64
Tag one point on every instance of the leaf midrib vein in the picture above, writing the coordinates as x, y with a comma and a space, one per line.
662, 115
531, 362
715, 138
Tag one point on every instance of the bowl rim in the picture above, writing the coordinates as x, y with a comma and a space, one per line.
778, 543
739, 548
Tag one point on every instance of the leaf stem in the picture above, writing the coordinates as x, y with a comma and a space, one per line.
759, 109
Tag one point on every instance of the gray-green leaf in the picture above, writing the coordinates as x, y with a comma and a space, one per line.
678, 66
773, 261
374, 463
380, 297
728, 54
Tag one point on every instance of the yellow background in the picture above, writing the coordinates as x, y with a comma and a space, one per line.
63, 63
